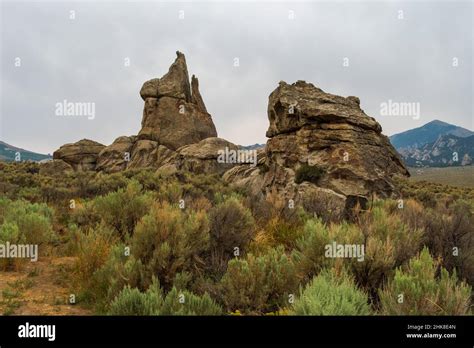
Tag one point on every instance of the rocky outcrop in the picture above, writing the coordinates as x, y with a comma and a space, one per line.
115, 157
201, 158
81, 155
148, 154
311, 127
310, 131
174, 84
174, 114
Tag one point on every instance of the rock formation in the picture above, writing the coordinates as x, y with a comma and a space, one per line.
311, 127
174, 113
174, 117
309, 130
115, 157
81, 155
200, 158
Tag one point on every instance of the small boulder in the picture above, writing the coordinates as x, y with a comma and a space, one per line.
81, 155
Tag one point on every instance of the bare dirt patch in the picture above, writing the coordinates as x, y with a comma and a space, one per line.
39, 288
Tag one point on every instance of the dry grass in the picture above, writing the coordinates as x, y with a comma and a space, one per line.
455, 176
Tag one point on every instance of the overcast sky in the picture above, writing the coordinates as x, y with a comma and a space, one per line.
82, 60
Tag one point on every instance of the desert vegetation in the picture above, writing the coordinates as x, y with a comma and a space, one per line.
144, 243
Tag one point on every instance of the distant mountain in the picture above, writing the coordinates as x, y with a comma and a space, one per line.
429, 133
252, 147
9, 153
447, 150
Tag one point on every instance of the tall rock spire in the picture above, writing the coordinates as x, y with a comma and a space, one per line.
175, 83
196, 96
174, 113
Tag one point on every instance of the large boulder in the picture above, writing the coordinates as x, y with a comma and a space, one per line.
174, 114
115, 157
309, 127
81, 155
202, 158
148, 154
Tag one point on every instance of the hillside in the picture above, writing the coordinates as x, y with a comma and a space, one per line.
8, 153
447, 150
428, 133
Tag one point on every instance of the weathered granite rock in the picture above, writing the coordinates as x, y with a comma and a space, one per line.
201, 158
311, 127
81, 155
174, 84
148, 154
115, 157
174, 114
174, 123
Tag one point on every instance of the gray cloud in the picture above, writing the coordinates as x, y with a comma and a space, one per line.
407, 60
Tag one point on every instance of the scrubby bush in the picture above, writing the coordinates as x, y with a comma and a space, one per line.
231, 226
310, 252
133, 302
276, 232
259, 284
168, 241
388, 244
122, 209
183, 302
151, 302
92, 250
331, 293
327, 207
309, 173
449, 235
120, 269
33, 221
417, 291
9, 233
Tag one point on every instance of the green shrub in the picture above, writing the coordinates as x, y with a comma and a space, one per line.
133, 302
310, 252
183, 302
309, 255
231, 226
92, 250
422, 292
388, 244
279, 231
116, 272
122, 209
34, 221
259, 284
449, 235
9, 233
331, 294
309, 173
168, 241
